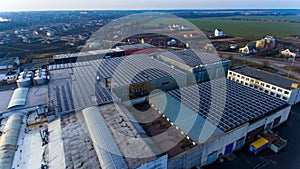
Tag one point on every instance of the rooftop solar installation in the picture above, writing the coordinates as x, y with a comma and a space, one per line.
135, 69
192, 58
67, 92
242, 104
136, 46
266, 77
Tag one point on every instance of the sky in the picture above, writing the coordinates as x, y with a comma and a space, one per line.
37, 5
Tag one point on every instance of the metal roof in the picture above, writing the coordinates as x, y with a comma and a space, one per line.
188, 121
267, 77
241, 104
18, 98
8, 140
105, 146
135, 69
136, 46
87, 53
192, 58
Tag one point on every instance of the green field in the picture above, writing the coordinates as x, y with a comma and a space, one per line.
249, 29
240, 28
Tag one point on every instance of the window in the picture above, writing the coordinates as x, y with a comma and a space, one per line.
246, 84
229, 78
243, 77
230, 73
274, 88
256, 82
252, 80
262, 84
251, 85
242, 82
237, 80
234, 74
266, 91
284, 98
279, 90
272, 93
255, 87
164, 83
268, 86
247, 79
261, 89
286, 92
238, 75
278, 95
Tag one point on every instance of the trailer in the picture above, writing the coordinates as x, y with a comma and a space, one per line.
259, 145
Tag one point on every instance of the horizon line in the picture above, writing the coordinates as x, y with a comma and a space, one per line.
169, 9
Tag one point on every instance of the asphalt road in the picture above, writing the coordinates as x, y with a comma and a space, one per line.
276, 64
288, 158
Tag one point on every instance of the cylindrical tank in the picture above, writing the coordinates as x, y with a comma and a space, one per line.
24, 82
40, 80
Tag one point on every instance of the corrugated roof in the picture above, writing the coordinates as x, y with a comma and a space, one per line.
192, 58
107, 150
18, 98
190, 122
87, 53
266, 77
136, 46
8, 140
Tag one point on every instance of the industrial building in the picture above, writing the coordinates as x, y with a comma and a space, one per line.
129, 76
203, 66
159, 110
218, 129
87, 55
9, 139
103, 53
210, 115
275, 85
137, 48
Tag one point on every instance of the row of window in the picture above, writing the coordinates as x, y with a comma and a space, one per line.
259, 88
261, 83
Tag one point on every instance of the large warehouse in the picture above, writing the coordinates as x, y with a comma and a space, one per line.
218, 122
196, 116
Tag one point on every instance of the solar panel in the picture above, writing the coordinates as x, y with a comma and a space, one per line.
242, 104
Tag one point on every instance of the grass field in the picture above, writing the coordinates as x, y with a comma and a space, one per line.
241, 28
249, 29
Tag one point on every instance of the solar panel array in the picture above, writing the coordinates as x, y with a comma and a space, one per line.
135, 69
141, 67
136, 46
242, 104
76, 91
192, 58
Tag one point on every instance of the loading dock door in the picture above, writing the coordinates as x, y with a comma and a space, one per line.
211, 157
228, 148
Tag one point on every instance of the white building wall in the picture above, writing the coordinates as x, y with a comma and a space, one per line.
284, 113
219, 143
291, 96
